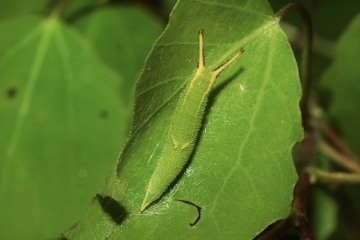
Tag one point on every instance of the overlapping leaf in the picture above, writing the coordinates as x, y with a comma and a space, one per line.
62, 123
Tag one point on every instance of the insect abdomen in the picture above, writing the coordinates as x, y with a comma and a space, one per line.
181, 139
184, 128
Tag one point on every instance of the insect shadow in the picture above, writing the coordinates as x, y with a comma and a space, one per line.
212, 98
217, 89
111, 207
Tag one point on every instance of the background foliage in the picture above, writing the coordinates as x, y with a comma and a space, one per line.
66, 81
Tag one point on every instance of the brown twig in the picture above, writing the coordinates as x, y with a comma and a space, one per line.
306, 155
343, 160
304, 228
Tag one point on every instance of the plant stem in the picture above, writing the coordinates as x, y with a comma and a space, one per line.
343, 160
304, 228
321, 176
306, 57
307, 156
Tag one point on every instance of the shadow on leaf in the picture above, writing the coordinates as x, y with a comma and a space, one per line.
112, 208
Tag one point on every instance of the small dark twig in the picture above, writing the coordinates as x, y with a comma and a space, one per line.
304, 228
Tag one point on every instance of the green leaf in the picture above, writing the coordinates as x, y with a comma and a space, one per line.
62, 123
241, 173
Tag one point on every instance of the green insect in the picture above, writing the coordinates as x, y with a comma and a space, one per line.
184, 127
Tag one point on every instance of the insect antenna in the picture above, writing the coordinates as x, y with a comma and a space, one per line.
222, 67
201, 59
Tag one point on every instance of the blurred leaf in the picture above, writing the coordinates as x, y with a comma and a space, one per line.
62, 125
15, 8
342, 81
79, 8
324, 215
324, 210
241, 173
123, 36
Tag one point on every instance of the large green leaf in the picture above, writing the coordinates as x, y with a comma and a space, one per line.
62, 124
241, 173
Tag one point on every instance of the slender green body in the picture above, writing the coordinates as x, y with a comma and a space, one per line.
184, 128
